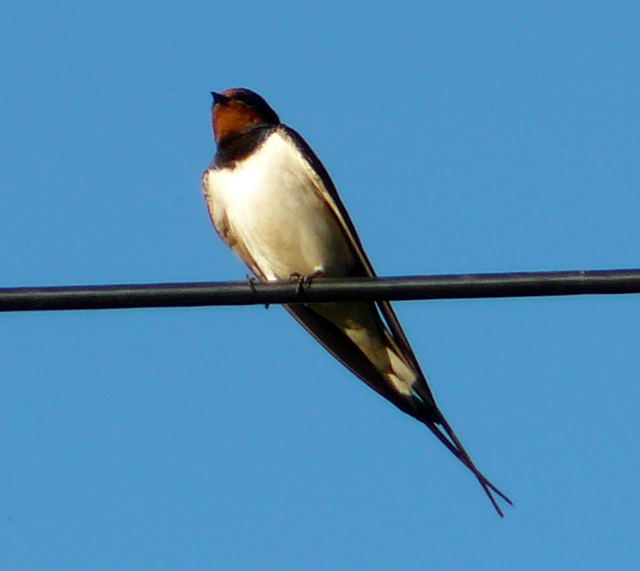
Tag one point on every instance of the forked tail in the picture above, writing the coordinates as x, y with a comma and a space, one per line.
443, 431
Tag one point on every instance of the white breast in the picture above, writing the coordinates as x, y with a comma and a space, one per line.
274, 206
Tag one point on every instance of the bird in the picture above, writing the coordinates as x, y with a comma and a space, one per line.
274, 204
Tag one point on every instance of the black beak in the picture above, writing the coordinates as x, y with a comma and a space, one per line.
219, 98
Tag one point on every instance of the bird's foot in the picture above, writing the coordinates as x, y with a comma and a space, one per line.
304, 281
252, 281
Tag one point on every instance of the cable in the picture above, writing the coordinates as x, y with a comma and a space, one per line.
321, 289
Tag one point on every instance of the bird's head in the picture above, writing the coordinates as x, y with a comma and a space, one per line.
237, 110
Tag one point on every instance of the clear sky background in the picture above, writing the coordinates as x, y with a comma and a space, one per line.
463, 137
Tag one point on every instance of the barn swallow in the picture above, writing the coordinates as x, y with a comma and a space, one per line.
272, 201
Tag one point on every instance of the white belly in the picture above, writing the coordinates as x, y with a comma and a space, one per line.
273, 207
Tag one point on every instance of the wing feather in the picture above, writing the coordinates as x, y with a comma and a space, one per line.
346, 352
324, 186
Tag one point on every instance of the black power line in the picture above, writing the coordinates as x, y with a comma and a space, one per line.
321, 289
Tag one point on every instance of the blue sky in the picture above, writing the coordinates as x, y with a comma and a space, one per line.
463, 137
